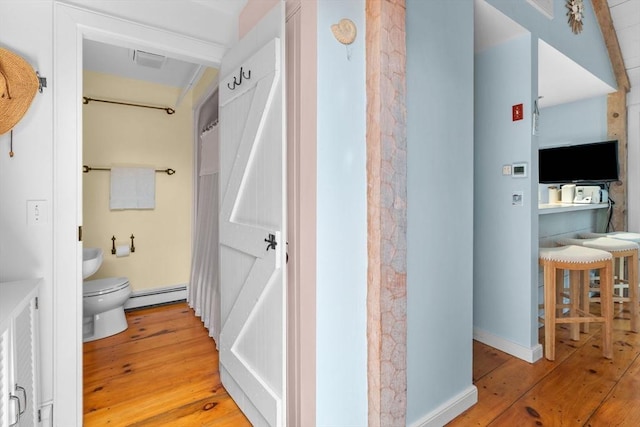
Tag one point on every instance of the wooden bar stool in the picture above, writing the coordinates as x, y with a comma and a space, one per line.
621, 250
619, 268
620, 235
579, 261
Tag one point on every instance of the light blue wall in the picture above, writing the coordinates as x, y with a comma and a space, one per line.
579, 122
506, 236
440, 203
341, 375
587, 48
574, 123
503, 258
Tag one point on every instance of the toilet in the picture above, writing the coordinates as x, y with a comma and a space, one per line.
102, 302
103, 307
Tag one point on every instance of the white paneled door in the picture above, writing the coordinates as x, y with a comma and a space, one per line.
253, 224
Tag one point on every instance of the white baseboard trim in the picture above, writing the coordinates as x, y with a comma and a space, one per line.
525, 353
449, 409
156, 296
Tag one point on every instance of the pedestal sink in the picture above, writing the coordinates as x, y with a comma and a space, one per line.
91, 261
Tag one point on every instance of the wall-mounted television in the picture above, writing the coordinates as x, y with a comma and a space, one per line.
589, 163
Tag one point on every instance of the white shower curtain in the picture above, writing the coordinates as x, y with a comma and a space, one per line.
204, 289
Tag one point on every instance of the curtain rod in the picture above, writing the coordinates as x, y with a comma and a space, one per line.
87, 169
86, 100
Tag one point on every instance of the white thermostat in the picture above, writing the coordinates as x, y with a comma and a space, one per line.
519, 170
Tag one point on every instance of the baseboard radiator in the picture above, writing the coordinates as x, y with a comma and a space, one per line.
157, 296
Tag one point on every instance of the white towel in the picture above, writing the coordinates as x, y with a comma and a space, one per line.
209, 152
133, 188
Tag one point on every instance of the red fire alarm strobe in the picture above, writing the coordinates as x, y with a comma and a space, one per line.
516, 112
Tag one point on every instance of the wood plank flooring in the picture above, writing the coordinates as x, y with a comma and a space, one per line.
161, 371
581, 388
164, 371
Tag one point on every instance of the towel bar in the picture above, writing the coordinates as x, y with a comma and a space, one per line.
87, 169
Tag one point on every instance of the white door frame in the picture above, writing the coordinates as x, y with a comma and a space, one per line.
301, 72
71, 26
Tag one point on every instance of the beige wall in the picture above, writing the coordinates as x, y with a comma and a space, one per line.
202, 87
123, 135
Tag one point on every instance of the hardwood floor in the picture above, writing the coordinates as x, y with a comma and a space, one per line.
580, 388
164, 371
161, 371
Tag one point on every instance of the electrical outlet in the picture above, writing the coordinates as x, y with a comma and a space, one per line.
506, 170
517, 198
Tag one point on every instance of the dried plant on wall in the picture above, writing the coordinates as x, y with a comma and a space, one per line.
575, 14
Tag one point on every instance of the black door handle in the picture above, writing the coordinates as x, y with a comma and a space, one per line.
271, 241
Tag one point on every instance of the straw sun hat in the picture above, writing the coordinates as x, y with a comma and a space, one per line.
18, 86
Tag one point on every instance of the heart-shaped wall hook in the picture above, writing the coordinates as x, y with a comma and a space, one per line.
344, 31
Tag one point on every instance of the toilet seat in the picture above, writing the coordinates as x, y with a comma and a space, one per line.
92, 288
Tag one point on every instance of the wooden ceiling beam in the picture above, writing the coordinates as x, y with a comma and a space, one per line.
603, 15
616, 113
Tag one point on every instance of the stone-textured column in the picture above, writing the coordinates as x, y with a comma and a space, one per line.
386, 212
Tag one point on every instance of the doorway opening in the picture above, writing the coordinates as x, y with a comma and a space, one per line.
127, 136
74, 25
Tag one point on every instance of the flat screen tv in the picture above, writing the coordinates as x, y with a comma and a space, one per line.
584, 163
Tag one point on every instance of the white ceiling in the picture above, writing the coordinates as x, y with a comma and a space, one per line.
231, 7
560, 79
116, 60
491, 28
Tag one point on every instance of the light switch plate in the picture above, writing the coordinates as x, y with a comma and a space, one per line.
37, 212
